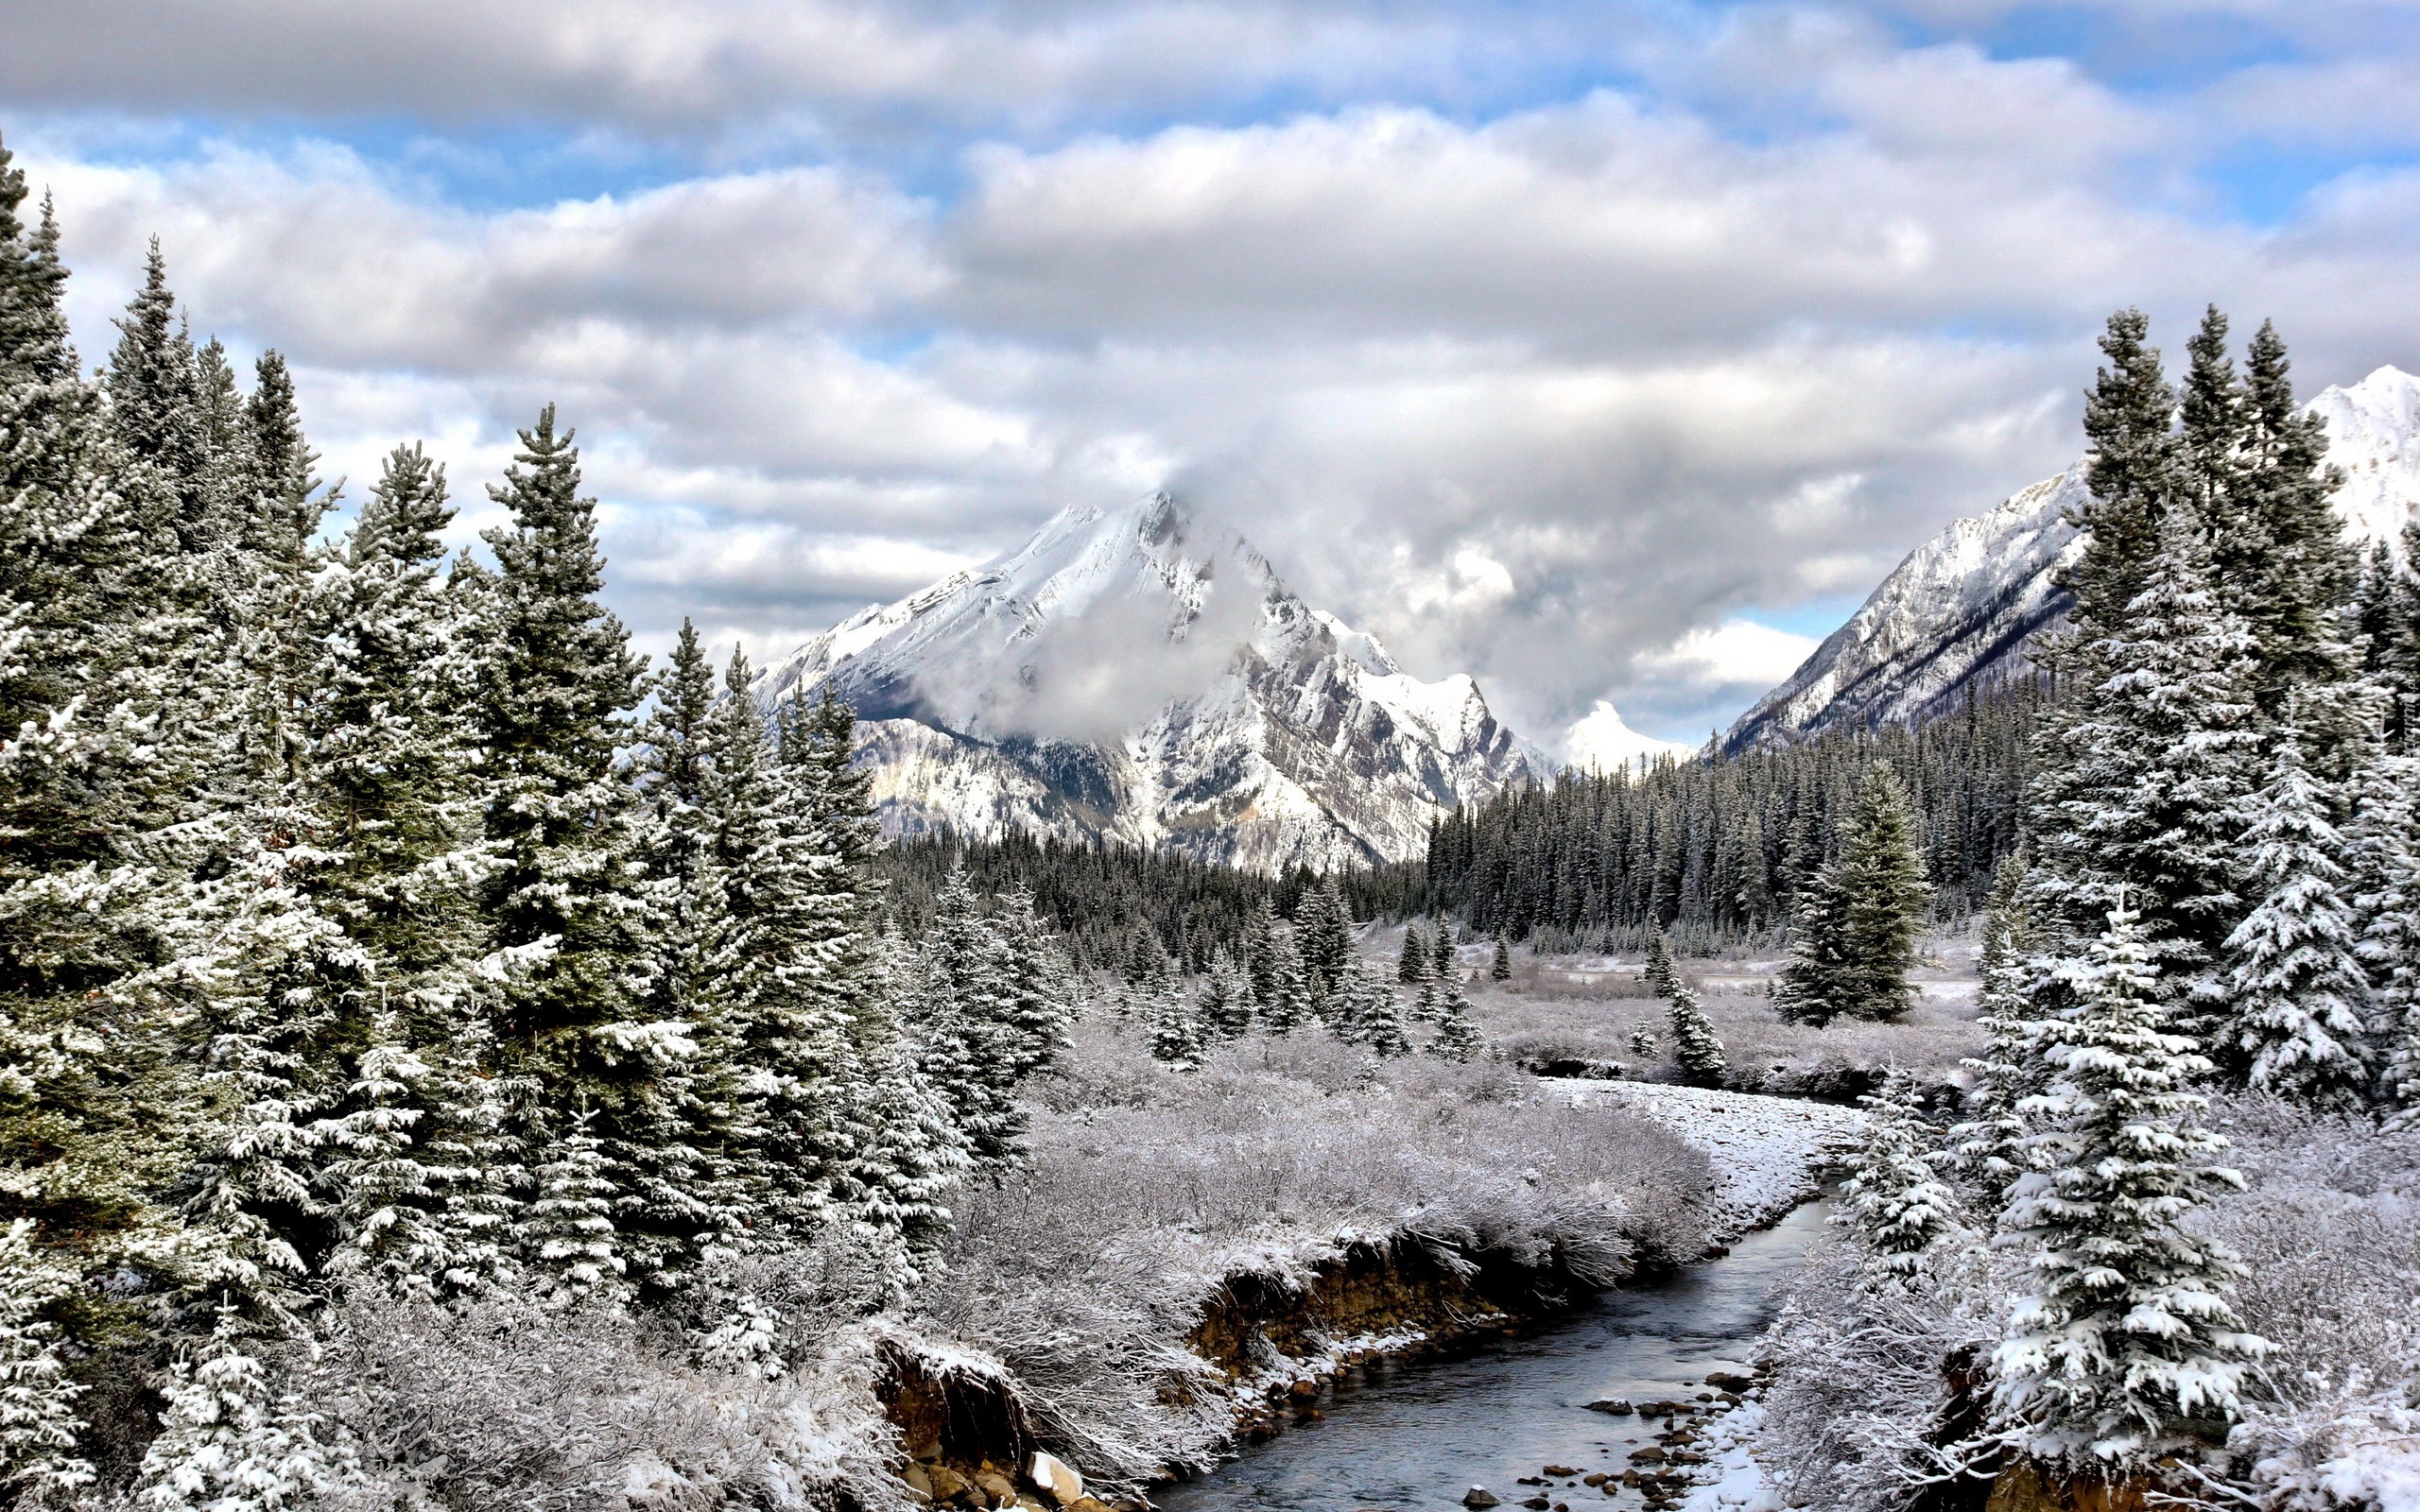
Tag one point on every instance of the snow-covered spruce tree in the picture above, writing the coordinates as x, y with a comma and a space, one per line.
965, 1021
2009, 1069
1457, 1037
1262, 931
1176, 1034
2385, 844
393, 770
1038, 1012
557, 686
104, 743
1442, 961
1695, 1045
38, 1420
1324, 943
1895, 1200
1224, 1004
2156, 758
1643, 1040
1499, 969
1283, 1000
1411, 965
2294, 1023
2128, 1345
1819, 980
1364, 1011
230, 1441
1662, 978
1882, 878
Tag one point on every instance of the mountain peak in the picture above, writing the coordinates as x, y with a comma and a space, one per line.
1128, 673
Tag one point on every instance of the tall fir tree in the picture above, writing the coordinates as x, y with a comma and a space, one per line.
2128, 1345
1888, 901
557, 688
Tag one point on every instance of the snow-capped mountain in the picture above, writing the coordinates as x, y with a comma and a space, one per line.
1126, 675
1965, 603
1603, 741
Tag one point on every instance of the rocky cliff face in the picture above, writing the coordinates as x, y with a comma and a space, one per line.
1126, 675
1965, 604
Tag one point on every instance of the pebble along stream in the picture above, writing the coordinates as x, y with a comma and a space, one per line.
1420, 1435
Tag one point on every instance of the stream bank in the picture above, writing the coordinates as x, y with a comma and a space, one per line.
1288, 1347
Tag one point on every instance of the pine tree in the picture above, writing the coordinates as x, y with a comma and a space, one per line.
1457, 1037
1261, 936
2294, 1026
1500, 969
967, 1023
1894, 1199
38, 1421
1411, 969
1882, 880
231, 1442
2134, 473
2385, 842
2129, 1342
1443, 964
1324, 942
1695, 1045
1176, 1036
1662, 978
1283, 1008
1226, 1001
557, 686
1821, 979
2009, 1069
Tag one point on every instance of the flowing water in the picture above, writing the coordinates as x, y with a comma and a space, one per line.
1419, 1434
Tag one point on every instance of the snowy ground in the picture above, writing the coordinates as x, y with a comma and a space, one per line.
1768, 1153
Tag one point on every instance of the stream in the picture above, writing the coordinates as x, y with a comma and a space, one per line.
1419, 1434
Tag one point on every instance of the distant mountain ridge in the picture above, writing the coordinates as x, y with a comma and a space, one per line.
1965, 605
1128, 675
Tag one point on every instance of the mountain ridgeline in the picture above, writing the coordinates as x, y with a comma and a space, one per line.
1972, 602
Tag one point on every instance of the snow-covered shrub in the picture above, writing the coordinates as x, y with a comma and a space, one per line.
1877, 1391
2330, 1233
509, 1403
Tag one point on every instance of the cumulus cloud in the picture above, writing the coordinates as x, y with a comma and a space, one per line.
1562, 384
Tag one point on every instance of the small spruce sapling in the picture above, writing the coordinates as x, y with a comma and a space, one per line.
1457, 1036
1695, 1045
1894, 1199
1500, 969
1176, 1035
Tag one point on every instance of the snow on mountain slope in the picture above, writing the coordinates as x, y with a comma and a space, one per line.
1128, 676
1603, 741
1965, 604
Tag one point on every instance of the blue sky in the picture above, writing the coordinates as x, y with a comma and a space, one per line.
1607, 352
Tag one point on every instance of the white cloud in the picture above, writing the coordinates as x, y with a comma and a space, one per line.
1735, 652
1551, 393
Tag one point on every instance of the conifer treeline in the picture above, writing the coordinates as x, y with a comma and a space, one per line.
2219, 887
1714, 852
343, 946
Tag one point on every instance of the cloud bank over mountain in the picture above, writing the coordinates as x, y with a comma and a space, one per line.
1581, 347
